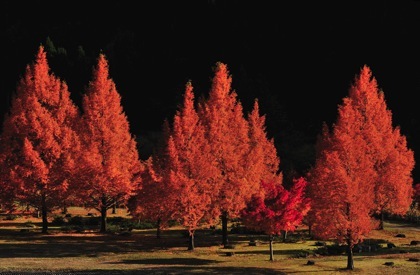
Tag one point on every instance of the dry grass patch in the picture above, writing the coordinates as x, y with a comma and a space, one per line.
141, 252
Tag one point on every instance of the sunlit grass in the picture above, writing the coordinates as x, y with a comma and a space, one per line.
142, 252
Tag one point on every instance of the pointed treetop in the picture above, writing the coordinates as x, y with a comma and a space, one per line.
221, 81
363, 83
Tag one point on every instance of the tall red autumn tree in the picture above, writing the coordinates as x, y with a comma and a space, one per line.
39, 144
344, 179
276, 209
227, 135
111, 164
191, 168
393, 160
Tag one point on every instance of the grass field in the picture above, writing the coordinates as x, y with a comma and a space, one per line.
24, 249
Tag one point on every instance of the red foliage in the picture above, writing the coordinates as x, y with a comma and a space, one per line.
276, 209
227, 134
362, 166
393, 161
39, 144
263, 161
191, 169
111, 165
152, 198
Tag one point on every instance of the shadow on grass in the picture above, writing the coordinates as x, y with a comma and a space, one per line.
170, 261
22, 245
162, 270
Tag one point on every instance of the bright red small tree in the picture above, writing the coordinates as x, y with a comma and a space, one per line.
111, 165
275, 209
39, 144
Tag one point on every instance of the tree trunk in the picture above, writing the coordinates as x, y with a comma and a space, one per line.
103, 216
158, 229
350, 263
310, 230
381, 221
271, 248
44, 213
65, 210
225, 241
191, 241
284, 235
114, 208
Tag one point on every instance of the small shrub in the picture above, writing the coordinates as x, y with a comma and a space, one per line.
112, 228
92, 221
11, 217
58, 221
143, 225
76, 220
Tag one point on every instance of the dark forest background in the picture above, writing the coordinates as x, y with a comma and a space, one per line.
298, 58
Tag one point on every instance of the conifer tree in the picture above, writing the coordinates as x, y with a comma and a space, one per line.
263, 162
363, 165
191, 169
111, 163
227, 134
153, 198
39, 145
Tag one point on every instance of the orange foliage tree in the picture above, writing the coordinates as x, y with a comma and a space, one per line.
191, 169
227, 135
363, 166
263, 162
38, 144
275, 209
111, 164
150, 200
393, 160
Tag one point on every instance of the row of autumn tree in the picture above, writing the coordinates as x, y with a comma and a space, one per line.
213, 161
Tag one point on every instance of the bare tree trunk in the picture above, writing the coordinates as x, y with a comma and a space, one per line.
114, 208
191, 241
103, 216
271, 248
381, 221
44, 214
158, 229
350, 262
225, 241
